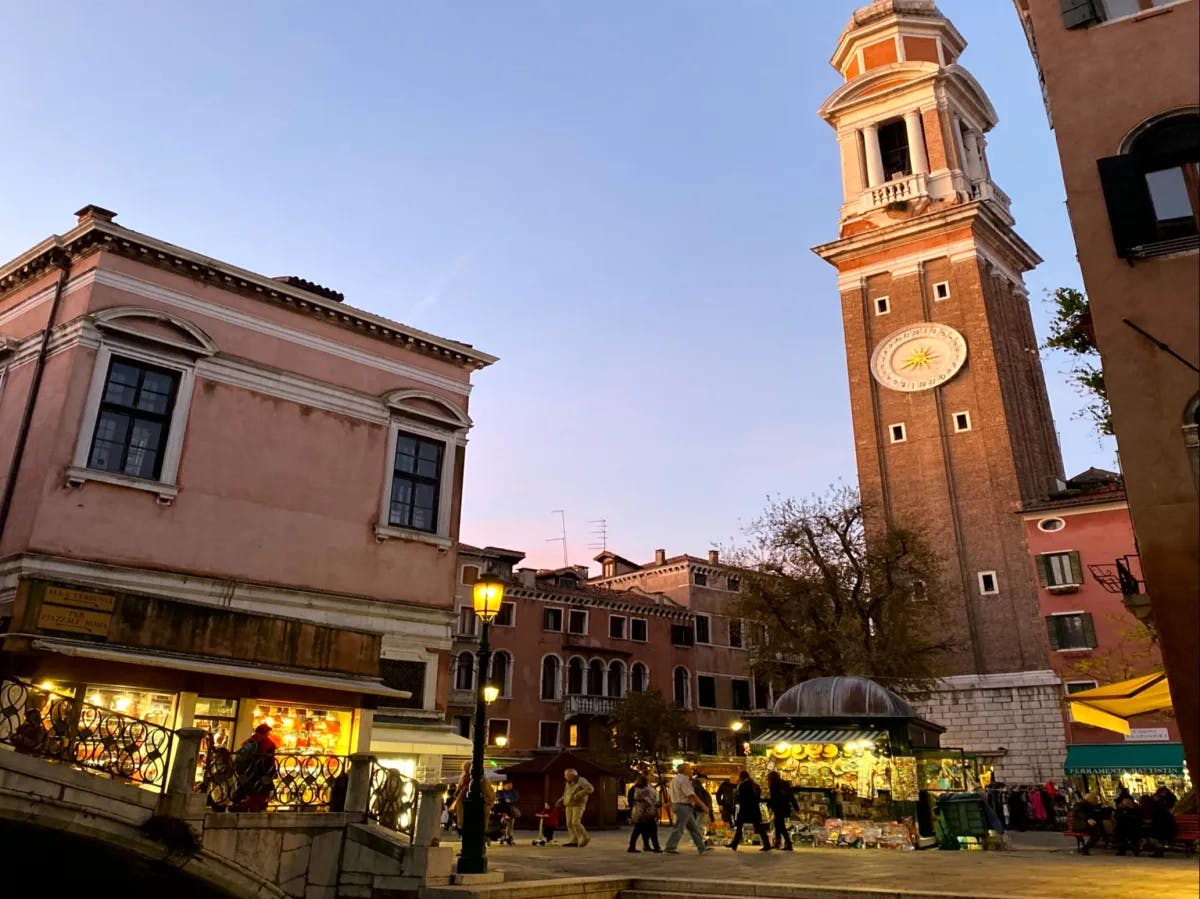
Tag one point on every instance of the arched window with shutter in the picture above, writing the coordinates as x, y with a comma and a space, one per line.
551, 668
464, 671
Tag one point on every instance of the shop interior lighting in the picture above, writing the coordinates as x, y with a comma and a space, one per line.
48, 686
737, 726
123, 703
96, 699
782, 747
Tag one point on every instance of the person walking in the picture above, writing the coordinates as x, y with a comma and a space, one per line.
781, 800
748, 812
574, 801
457, 804
727, 799
685, 804
643, 812
709, 813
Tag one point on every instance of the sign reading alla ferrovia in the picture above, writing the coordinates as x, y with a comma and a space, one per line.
75, 611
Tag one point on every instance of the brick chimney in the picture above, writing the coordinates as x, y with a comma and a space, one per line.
660, 557
93, 213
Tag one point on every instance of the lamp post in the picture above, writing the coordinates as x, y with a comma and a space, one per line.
472, 859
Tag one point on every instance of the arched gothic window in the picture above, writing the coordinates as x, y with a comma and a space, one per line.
681, 683
502, 672
638, 678
575, 677
464, 671
550, 677
595, 685
616, 679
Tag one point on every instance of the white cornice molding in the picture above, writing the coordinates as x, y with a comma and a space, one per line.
305, 339
1069, 511
409, 620
45, 295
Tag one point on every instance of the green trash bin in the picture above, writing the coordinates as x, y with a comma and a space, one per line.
960, 821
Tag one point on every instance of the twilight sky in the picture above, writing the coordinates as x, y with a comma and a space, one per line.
617, 197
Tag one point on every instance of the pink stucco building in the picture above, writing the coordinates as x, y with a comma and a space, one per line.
226, 497
1085, 558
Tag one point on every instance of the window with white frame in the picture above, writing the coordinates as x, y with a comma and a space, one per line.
637, 630
897, 433
468, 621
501, 673
616, 627
883, 305
1077, 686
551, 678
681, 688
703, 629
547, 734
470, 574
1071, 631
1060, 571
639, 678
497, 731
135, 415
577, 622
988, 584
575, 676
419, 485
706, 691
464, 671
507, 616
552, 619
962, 422
941, 290
735, 632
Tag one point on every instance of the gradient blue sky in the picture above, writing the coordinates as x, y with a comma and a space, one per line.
617, 198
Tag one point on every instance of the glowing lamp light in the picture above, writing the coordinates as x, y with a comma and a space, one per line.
487, 595
501, 740
782, 747
490, 693
737, 726
48, 686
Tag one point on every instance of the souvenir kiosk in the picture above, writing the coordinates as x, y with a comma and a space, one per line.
849, 748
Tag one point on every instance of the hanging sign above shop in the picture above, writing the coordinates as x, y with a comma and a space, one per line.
1148, 735
75, 611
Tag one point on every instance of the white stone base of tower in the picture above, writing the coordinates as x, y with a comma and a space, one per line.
1020, 713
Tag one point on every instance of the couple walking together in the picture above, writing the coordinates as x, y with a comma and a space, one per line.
688, 808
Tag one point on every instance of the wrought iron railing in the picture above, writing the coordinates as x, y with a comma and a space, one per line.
1122, 576
281, 781
392, 801
41, 722
588, 705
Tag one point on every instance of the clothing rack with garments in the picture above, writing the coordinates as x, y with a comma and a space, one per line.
1028, 806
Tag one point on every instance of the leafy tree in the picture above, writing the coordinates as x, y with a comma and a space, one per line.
824, 598
1071, 331
1132, 654
647, 731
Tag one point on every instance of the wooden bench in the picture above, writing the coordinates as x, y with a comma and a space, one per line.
1187, 833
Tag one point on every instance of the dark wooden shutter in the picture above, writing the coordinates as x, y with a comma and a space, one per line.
1127, 196
1089, 630
1052, 632
1076, 568
1043, 569
1078, 13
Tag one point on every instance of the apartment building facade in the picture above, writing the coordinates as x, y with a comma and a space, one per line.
228, 499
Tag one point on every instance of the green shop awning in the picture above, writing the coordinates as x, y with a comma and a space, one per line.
1116, 758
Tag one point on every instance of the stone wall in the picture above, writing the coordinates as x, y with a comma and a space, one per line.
1020, 713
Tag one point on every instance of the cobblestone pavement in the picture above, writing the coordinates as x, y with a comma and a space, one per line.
1040, 865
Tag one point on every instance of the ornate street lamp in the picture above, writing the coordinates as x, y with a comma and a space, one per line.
472, 859
490, 693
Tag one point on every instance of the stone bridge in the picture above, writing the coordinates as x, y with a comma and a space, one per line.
173, 841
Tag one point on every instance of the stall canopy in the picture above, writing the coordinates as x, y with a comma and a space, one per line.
1117, 758
839, 735
1111, 706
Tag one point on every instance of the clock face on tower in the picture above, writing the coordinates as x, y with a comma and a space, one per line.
918, 358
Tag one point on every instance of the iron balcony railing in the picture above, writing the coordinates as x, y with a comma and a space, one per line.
64, 728
588, 705
392, 801
246, 781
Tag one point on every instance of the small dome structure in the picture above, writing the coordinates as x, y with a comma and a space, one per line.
841, 697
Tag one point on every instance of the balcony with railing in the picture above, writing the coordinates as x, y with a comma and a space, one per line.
599, 706
1124, 576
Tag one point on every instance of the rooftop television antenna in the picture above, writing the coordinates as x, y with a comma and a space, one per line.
599, 534
562, 518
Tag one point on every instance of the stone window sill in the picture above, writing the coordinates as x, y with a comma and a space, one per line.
1063, 588
384, 533
164, 493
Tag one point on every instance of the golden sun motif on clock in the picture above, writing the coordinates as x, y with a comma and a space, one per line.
921, 357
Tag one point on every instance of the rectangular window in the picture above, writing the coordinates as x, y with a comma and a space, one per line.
893, 146
941, 290
703, 629
497, 731
572, 735
882, 306
547, 734
741, 694
706, 691
637, 629
1059, 570
735, 632
507, 616
616, 627
734, 584
962, 422
552, 619
897, 433
1073, 630
470, 574
134, 419
987, 583
577, 622
462, 725
700, 579
468, 621
708, 742
1078, 686
416, 483
682, 635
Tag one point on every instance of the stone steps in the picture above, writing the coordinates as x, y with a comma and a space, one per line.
667, 888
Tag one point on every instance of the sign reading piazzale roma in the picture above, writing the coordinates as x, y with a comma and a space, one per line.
918, 358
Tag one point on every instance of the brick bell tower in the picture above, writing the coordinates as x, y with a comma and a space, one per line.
952, 425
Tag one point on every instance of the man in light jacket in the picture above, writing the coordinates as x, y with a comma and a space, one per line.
686, 805
574, 801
